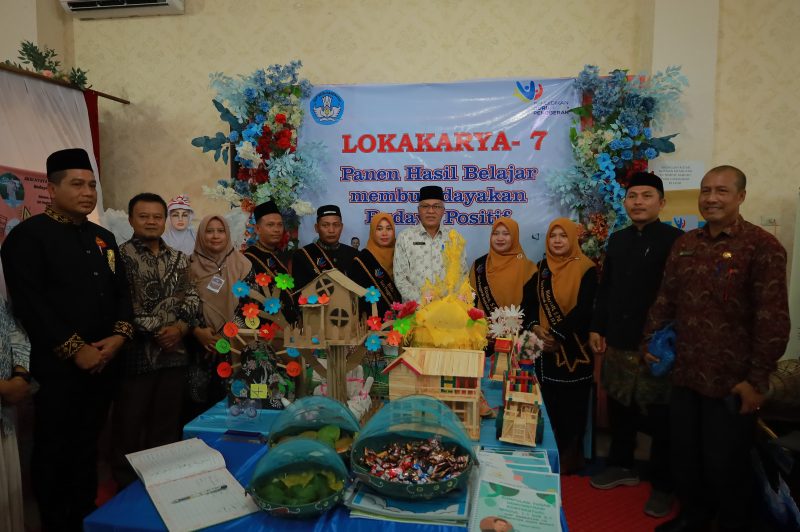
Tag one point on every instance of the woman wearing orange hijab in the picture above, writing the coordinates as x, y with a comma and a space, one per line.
499, 276
373, 266
558, 308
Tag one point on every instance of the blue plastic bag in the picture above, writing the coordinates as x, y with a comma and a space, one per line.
662, 346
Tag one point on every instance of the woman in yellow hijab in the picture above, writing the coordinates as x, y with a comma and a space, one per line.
373, 266
499, 276
558, 308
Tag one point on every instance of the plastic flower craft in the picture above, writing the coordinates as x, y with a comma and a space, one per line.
402, 325
372, 295
230, 329
374, 323
240, 289
373, 342
223, 346
324, 299
272, 305
267, 332
262, 279
250, 310
292, 352
408, 308
313, 300
394, 338
284, 281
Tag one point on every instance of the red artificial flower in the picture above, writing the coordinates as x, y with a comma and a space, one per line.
262, 279
475, 314
260, 176
374, 323
396, 306
243, 174
323, 299
265, 130
408, 308
284, 143
230, 329
267, 331
247, 205
394, 338
250, 310
280, 118
388, 316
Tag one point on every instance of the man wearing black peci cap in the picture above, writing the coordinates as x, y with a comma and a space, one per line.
265, 254
418, 251
632, 272
325, 254
69, 290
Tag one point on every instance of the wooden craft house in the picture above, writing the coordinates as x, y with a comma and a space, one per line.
521, 411
501, 361
453, 376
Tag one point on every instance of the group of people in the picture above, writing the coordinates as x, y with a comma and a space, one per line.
136, 325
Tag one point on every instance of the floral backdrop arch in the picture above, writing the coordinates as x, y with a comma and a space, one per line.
612, 139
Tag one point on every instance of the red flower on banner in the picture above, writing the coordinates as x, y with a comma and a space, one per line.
475, 314
280, 118
374, 323
250, 310
262, 279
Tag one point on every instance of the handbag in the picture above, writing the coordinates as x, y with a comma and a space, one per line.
662, 346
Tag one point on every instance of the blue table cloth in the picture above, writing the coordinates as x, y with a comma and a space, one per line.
132, 509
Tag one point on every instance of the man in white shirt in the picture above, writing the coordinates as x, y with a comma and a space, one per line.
418, 252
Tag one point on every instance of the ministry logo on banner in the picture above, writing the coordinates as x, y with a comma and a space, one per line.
487, 143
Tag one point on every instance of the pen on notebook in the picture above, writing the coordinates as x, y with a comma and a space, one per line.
200, 494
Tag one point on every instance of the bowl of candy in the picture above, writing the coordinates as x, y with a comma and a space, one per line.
301, 478
413, 448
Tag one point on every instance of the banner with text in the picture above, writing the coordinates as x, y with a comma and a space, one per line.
486, 143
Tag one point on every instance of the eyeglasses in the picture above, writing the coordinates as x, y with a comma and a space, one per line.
434, 207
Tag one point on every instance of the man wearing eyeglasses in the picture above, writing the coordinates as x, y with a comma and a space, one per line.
418, 252
325, 254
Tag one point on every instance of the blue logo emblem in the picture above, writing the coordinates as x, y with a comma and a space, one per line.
270, 262
378, 273
322, 263
327, 108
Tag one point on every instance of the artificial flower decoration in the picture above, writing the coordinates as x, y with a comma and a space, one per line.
230, 329
224, 370
302, 300
293, 369
250, 310
324, 299
397, 306
408, 308
284, 281
394, 338
388, 315
313, 300
315, 340
402, 325
505, 322
223, 346
272, 305
267, 331
292, 352
374, 323
252, 323
240, 289
262, 279
372, 295
475, 314
373, 342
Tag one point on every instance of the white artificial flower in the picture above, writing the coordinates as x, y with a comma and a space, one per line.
302, 208
505, 322
246, 150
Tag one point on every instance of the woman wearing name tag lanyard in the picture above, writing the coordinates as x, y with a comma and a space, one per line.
214, 267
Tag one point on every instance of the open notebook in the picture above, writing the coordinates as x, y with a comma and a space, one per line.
190, 486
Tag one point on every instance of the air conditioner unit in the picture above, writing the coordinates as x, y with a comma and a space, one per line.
91, 9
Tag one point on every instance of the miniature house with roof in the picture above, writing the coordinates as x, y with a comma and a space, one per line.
501, 360
521, 413
452, 376
330, 322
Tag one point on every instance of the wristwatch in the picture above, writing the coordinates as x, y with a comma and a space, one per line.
25, 375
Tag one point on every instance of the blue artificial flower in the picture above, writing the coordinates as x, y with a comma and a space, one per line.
250, 93
615, 144
373, 342
647, 132
260, 118
627, 155
651, 153
292, 352
272, 305
588, 79
264, 107
222, 182
234, 136
251, 132
627, 143
240, 289
372, 295
633, 131
648, 104
615, 159
313, 300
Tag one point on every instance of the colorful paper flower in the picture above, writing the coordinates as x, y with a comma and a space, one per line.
223, 346
272, 305
240, 289
402, 325
315, 340
267, 331
302, 300
292, 352
396, 306
324, 299
284, 281
230, 329
250, 310
372, 295
252, 323
475, 314
373, 342
293, 369
312, 300
224, 370
374, 323
394, 338
408, 308
262, 279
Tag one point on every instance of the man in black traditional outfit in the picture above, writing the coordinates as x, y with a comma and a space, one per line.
70, 292
266, 256
327, 253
